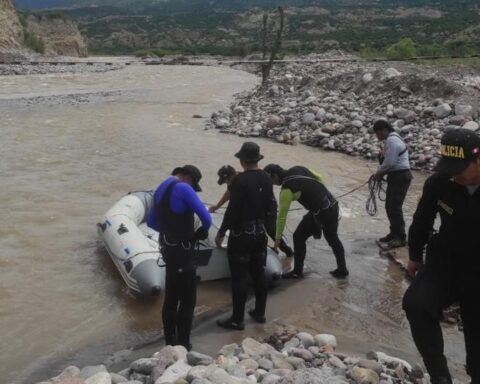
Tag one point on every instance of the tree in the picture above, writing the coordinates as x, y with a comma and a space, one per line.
274, 48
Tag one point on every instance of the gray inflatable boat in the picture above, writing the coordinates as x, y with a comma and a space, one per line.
133, 247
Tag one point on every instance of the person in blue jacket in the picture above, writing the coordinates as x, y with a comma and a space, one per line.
175, 204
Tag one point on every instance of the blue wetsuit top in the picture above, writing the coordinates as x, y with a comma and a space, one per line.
183, 198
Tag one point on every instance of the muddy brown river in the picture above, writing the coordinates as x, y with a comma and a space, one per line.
73, 144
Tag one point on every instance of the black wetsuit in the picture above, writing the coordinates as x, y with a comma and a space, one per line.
250, 203
323, 215
451, 272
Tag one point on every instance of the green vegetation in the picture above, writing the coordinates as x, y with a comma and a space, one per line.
373, 28
404, 49
33, 42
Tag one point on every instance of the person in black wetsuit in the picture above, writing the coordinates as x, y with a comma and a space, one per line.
306, 186
175, 203
226, 174
250, 202
451, 270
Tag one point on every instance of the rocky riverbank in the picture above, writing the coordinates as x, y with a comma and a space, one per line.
332, 105
285, 357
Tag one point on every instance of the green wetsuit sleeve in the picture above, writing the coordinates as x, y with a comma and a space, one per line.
317, 175
286, 198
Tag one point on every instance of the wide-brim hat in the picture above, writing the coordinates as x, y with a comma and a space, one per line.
193, 172
458, 148
249, 152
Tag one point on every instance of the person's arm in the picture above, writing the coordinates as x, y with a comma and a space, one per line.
393, 146
317, 175
223, 200
192, 200
286, 198
422, 225
234, 206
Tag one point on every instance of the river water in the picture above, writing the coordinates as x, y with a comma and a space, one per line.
73, 144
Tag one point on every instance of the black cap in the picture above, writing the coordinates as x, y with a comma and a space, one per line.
250, 152
458, 148
273, 169
382, 124
224, 173
191, 171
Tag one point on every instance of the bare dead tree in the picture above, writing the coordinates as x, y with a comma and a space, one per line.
276, 46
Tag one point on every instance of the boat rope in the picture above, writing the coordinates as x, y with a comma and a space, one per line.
375, 189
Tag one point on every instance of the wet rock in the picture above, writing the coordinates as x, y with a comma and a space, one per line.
458, 120
179, 370
463, 110
201, 381
69, 372
229, 350
322, 340
308, 375
390, 73
248, 364
306, 339
304, 354
280, 362
271, 379
367, 78
294, 342
144, 366
365, 376
99, 378
296, 362
471, 125
91, 370
442, 111
196, 358
117, 379
336, 362
371, 364
308, 118
254, 348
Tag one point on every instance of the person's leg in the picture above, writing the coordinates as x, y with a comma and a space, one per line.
170, 306
188, 299
470, 311
256, 268
423, 303
330, 231
300, 236
397, 188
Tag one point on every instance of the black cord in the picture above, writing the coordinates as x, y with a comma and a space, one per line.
375, 189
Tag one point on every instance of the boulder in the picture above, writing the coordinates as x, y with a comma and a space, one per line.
442, 111
471, 125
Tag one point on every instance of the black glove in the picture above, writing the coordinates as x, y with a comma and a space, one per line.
200, 234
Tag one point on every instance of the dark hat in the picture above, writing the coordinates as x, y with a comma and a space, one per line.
273, 169
191, 171
458, 148
224, 173
381, 124
250, 152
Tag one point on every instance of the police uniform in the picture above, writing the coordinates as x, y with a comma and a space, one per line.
451, 270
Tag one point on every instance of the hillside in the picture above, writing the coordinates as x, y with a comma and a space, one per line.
24, 33
231, 27
11, 31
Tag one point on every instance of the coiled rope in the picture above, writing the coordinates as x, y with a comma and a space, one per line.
376, 190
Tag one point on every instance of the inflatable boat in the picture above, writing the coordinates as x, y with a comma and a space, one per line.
133, 247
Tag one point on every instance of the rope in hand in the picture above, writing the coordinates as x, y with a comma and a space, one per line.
375, 189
